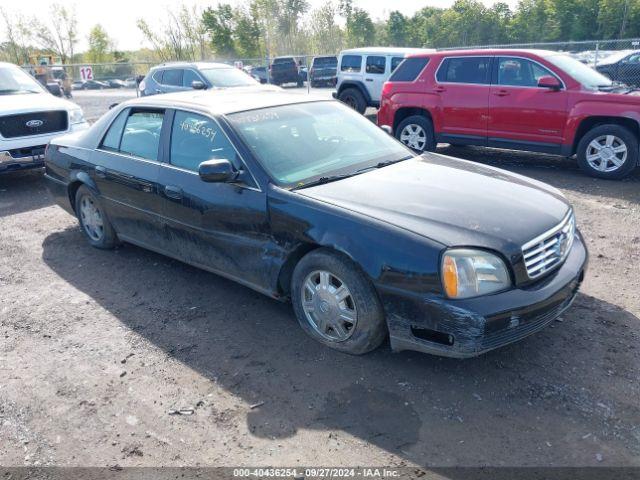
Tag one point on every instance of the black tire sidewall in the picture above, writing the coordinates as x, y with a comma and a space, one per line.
425, 124
360, 102
371, 329
619, 131
109, 238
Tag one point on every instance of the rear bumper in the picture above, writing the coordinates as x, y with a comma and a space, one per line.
467, 328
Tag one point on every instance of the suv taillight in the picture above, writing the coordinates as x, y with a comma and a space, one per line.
386, 88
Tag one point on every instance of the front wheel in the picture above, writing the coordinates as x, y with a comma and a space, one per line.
93, 221
608, 151
416, 132
353, 98
336, 304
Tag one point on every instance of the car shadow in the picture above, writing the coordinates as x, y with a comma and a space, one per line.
23, 191
426, 409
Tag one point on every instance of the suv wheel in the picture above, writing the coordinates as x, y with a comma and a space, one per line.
336, 304
416, 132
353, 98
608, 151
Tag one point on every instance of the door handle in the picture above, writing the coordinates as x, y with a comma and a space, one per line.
501, 93
439, 89
101, 171
173, 192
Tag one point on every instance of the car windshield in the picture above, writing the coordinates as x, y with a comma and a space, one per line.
582, 73
227, 77
14, 80
303, 143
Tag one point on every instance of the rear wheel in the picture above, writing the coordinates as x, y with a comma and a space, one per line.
93, 221
416, 132
353, 98
336, 304
608, 151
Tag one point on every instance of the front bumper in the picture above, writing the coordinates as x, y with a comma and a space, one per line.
28, 152
467, 328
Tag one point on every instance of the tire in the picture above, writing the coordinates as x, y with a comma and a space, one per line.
616, 156
368, 328
353, 98
417, 131
103, 237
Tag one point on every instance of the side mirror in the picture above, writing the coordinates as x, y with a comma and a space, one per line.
549, 82
198, 85
387, 129
217, 171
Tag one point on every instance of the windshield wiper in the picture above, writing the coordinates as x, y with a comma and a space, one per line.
323, 180
383, 164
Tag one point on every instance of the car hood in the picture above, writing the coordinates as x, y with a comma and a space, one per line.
33, 102
451, 201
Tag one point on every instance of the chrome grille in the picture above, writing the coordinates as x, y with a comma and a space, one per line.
549, 250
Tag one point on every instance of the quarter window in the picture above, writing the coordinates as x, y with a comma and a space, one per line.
376, 65
111, 140
409, 70
196, 139
141, 136
520, 72
172, 77
351, 63
464, 70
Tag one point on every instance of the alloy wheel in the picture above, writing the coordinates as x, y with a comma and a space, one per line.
606, 153
329, 306
91, 219
414, 136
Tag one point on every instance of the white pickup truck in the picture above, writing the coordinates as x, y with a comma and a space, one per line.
29, 117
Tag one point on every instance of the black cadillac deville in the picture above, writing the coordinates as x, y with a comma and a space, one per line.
304, 199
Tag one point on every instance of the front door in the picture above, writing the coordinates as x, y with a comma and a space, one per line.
222, 227
462, 85
126, 174
523, 115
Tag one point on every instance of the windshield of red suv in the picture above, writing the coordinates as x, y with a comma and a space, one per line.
15, 81
580, 72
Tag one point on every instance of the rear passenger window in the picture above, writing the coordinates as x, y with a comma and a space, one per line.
111, 140
464, 70
409, 70
351, 63
141, 136
172, 77
196, 139
376, 65
395, 61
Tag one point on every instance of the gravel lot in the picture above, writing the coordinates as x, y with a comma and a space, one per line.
99, 346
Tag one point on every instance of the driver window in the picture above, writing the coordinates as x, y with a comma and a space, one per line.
520, 72
141, 136
196, 139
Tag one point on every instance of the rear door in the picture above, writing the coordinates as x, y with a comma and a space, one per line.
375, 74
126, 174
172, 80
219, 226
523, 115
462, 85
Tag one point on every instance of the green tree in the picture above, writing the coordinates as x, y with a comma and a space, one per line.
360, 28
219, 24
100, 45
246, 34
397, 28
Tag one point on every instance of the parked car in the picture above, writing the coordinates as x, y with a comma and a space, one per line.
94, 85
622, 67
77, 85
130, 82
365, 237
258, 73
29, 117
533, 100
114, 83
180, 76
285, 70
323, 71
362, 72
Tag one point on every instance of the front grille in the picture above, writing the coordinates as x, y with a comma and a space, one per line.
549, 250
33, 123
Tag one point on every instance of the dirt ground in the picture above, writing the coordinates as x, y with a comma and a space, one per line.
98, 347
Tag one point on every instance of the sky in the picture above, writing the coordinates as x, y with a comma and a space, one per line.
118, 17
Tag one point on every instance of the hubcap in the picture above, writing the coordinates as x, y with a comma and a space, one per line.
328, 306
414, 136
606, 153
91, 218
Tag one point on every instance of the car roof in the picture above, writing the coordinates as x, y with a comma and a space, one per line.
226, 101
196, 65
489, 52
385, 51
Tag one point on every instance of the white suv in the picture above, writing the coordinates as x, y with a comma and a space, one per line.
362, 71
29, 117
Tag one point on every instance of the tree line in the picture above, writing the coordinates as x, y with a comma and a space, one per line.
260, 28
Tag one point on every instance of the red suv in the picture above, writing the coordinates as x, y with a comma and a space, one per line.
533, 100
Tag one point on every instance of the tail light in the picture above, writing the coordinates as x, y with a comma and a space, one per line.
386, 88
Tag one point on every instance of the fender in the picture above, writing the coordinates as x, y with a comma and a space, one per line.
417, 101
360, 86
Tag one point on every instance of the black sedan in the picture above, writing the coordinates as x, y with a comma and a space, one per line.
304, 199
622, 67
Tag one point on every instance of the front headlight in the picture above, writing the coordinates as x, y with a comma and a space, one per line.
470, 273
76, 116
